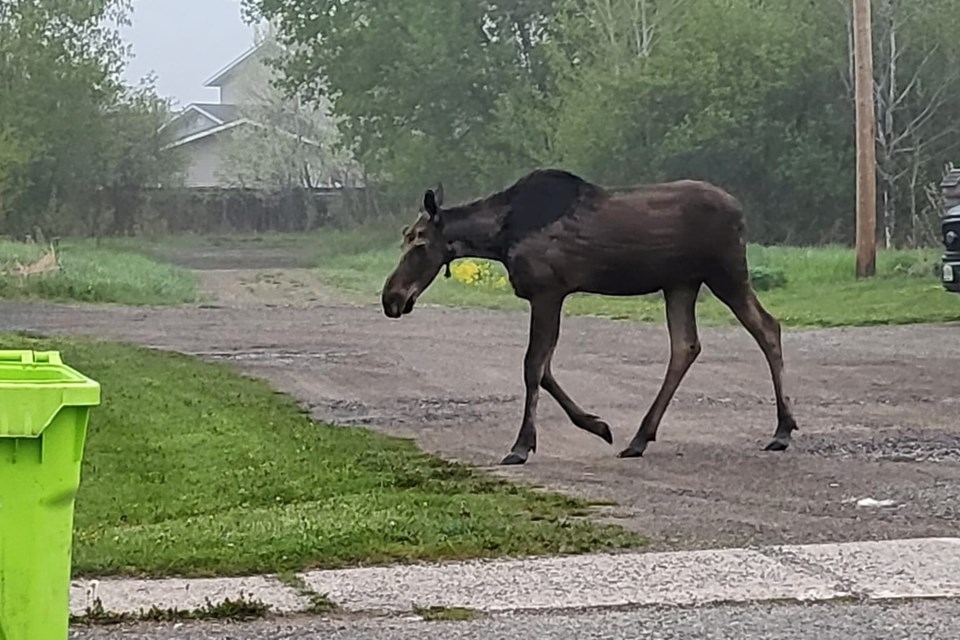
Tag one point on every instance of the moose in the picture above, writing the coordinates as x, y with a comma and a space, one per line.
558, 234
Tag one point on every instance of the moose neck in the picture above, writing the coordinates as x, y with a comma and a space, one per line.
473, 230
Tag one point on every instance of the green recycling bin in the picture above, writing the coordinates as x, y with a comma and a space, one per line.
44, 407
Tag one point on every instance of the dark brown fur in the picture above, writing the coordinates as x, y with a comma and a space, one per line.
558, 234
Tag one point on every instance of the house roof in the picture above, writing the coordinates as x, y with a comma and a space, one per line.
219, 116
208, 132
216, 114
200, 135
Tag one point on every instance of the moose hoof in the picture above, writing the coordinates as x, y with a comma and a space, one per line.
636, 449
632, 452
778, 444
514, 459
597, 427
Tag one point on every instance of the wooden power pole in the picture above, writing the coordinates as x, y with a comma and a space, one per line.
866, 142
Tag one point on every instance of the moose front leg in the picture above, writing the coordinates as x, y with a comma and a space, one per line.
544, 331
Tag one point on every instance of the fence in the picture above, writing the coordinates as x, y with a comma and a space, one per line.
225, 210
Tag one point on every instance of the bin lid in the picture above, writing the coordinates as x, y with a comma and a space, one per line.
34, 387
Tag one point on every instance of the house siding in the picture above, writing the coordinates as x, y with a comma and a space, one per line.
204, 158
236, 86
241, 84
231, 92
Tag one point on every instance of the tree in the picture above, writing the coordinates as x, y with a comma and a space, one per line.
917, 86
619, 32
755, 95
288, 142
732, 93
69, 128
420, 86
132, 156
57, 62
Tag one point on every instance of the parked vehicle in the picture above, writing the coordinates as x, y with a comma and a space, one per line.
950, 227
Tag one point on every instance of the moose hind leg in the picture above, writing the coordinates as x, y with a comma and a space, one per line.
580, 418
544, 331
684, 349
765, 329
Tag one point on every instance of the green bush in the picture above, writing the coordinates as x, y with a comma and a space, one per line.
767, 278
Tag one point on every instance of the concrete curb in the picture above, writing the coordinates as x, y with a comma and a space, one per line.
117, 596
896, 569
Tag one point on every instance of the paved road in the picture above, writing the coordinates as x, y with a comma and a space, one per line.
929, 620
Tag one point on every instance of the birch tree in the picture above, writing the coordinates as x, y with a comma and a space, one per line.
917, 84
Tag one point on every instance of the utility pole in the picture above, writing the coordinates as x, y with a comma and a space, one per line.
866, 142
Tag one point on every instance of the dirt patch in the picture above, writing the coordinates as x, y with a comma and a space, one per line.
877, 409
269, 287
239, 252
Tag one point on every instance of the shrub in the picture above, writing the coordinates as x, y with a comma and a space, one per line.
914, 265
766, 278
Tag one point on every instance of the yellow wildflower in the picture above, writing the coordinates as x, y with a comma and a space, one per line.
477, 273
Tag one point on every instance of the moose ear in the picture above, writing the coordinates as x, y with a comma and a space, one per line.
438, 194
430, 204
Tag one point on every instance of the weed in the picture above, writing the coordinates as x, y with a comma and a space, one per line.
446, 614
320, 603
240, 610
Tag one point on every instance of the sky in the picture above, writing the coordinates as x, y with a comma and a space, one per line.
184, 43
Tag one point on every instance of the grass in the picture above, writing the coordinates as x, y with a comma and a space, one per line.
239, 610
446, 614
235, 480
320, 603
91, 274
820, 289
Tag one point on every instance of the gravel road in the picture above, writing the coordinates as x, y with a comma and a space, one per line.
877, 408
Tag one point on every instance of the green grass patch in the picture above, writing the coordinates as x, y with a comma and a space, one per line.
91, 274
193, 470
242, 609
803, 287
446, 614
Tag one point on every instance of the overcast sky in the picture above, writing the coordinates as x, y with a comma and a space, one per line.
184, 43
